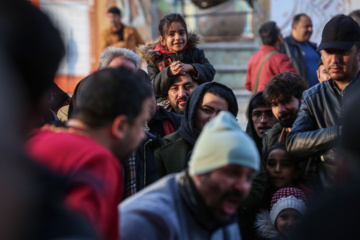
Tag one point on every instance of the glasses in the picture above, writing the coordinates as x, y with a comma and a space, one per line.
267, 114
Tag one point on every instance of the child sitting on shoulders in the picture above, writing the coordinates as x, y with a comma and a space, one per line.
174, 53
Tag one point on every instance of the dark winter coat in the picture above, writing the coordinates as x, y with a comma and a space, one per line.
316, 129
158, 64
157, 123
174, 155
145, 165
296, 55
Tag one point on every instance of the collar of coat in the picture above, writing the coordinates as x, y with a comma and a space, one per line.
162, 49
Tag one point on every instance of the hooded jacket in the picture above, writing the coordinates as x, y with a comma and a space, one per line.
265, 228
174, 155
159, 59
250, 128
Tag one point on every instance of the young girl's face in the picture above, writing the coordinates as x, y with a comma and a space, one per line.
175, 38
280, 168
287, 220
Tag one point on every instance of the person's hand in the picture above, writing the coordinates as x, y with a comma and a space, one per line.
175, 68
186, 68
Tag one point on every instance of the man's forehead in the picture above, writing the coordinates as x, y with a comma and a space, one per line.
281, 98
305, 20
120, 61
261, 108
182, 80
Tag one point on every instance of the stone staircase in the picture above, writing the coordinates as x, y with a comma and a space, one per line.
230, 61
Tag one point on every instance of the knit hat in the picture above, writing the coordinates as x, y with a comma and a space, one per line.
287, 198
222, 142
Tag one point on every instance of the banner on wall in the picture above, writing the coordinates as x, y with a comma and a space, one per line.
320, 11
72, 18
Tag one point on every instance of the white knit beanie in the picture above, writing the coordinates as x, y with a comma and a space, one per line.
287, 198
222, 142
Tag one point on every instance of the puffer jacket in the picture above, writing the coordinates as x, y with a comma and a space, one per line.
159, 60
296, 55
316, 129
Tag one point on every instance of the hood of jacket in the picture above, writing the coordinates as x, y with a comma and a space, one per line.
187, 128
149, 53
250, 128
264, 227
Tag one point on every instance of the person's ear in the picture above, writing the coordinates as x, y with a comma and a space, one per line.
162, 41
119, 127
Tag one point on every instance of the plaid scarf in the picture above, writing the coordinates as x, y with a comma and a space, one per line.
130, 176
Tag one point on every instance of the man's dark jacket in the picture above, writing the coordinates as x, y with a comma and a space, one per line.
316, 129
296, 55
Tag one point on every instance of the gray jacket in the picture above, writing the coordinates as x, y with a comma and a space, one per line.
161, 211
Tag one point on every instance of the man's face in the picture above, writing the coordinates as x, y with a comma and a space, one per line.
135, 132
224, 189
341, 65
303, 30
322, 73
114, 19
178, 93
263, 119
285, 109
210, 106
119, 61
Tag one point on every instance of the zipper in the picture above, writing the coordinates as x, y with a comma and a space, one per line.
150, 140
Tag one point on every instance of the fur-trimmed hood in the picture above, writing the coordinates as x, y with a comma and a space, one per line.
148, 53
264, 227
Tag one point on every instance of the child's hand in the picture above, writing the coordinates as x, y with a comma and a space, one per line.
175, 68
186, 68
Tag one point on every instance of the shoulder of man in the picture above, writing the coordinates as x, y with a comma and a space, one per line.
154, 209
318, 89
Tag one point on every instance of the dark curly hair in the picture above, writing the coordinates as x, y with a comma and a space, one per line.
286, 84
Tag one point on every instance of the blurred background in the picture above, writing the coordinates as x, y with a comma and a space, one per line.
228, 29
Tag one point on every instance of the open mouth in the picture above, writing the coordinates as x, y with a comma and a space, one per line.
262, 129
230, 205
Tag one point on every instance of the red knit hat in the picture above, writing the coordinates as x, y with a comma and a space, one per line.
287, 198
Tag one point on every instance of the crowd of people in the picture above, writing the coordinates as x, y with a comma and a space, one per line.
159, 154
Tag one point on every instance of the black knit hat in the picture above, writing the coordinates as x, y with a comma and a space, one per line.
341, 32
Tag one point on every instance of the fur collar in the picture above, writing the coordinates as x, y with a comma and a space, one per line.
265, 229
148, 53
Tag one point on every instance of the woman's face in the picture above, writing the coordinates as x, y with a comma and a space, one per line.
281, 169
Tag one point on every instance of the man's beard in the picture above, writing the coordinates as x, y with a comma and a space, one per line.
288, 122
176, 106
